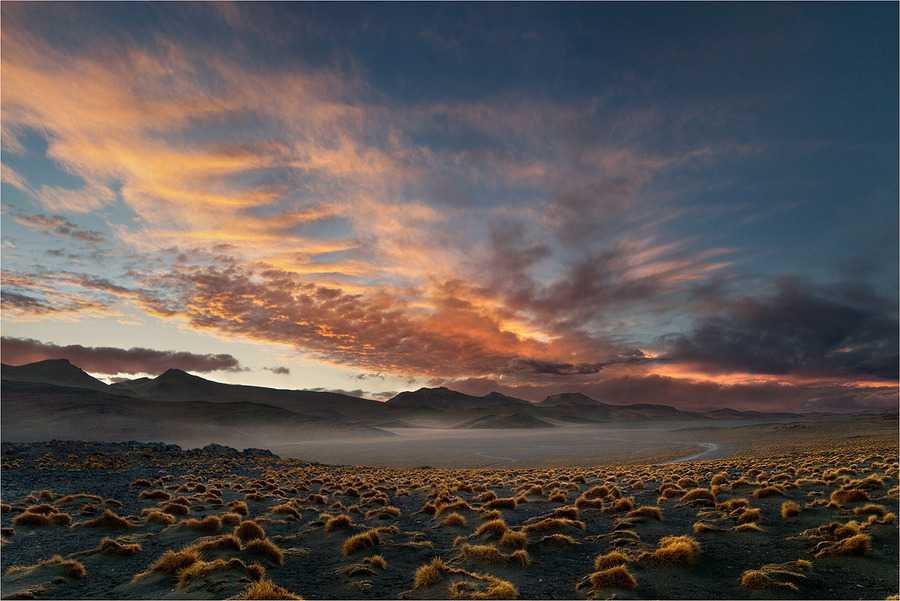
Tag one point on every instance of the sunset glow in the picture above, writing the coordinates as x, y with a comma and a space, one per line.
514, 197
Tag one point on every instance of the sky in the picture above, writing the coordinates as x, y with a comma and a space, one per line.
693, 204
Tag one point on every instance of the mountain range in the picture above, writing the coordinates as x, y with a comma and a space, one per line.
56, 399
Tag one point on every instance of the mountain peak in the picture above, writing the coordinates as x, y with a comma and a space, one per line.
60, 372
570, 399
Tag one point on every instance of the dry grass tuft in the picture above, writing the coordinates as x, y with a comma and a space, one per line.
846, 494
338, 521
698, 494
776, 575
267, 549
158, 517
496, 527
748, 516
154, 495
108, 520
430, 573
612, 559
171, 562
789, 509
249, 530
208, 525
376, 561
748, 527
646, 511
513, 539
227, 541
485, 553
620, 505
361, 542
521, 557
767, 491
454, 519
266, 589
109, 546
549, 524
871, 509
615, 577
509, 503
674, 551
858, 544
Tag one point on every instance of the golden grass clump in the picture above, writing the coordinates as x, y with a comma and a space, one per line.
748, 527
767, 491
376, 561
871, 509
230, 518
583, 502
109, 546
239, 507
620, 505
267, 549
155, 494
338, 521
226, 541
158, 517
520, 556
509, 503
858, 544
249, 530
430, 573
698, 494
287, 510
558, 496
780, 575
674, 551
847, 494
484, 553
108, 520
361, 542
548, 524
611, 559
384, 513
513, 539
208, 525
171, 562
615, 577
646, 511
266, 589
789, 509
748, 516
496, 527
176, 509
702, 527
454, 519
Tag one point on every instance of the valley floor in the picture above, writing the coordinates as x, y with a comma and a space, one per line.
794, 511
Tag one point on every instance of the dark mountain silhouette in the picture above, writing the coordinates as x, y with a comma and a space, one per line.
52, 371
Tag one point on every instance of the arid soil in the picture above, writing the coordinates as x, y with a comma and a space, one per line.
802, 511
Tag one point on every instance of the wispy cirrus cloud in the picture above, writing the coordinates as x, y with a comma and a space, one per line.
58, 224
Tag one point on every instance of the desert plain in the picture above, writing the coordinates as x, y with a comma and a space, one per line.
792, 510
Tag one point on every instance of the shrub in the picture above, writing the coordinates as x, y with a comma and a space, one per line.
846, 494
227, 541
361, 542
158, 517
266, 589
558, 540
286, 509
176, 509
173, 561
239, 507
748, 515
767, 491
33, 520
698, 494
109, 546
858, 544
620, 505
249, 530
155, 494
872, 509
521, 557
614, 558
674, 551
208, 525
646, 511
338, 521
108, 520
267, 549
141, 482
376, 561
454, 519
548, 524
485, 553
430, 573
494, 527
615, 577
789, 509
513, 539
509, 503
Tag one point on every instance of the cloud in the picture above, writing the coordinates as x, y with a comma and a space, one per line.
111, 360
279, 370
59, 225
799, 329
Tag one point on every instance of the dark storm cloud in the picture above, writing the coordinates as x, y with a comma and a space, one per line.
552, 368
110, 360
799, 329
